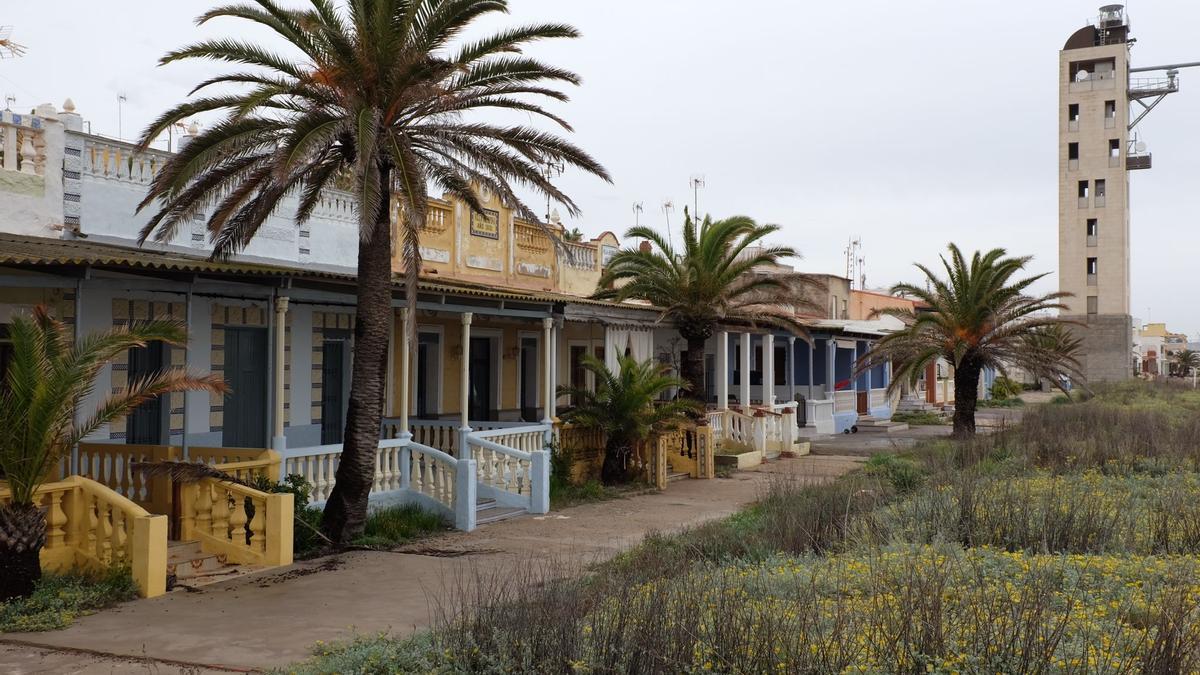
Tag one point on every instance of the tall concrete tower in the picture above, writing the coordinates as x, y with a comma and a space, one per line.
1097, 150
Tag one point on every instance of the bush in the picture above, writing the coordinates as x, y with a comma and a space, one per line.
1003, 387
59, 599
903, 474
1000, 403
395, 525
307, 539
919, 418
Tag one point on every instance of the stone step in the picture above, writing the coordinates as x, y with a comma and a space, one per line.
678, 475
497, 513
179, 551
881, 427
484, 504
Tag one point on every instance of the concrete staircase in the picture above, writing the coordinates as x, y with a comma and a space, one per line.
489, 511
189, 566
869, 424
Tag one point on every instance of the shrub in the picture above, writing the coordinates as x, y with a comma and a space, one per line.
1003, 387
307, 539
58, 599
394, 525
903, 474
919, 418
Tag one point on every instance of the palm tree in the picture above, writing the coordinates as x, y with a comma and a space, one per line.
1064, 348
48, 377
1185, 361
625, 406
376, 99
977, 316
719, 274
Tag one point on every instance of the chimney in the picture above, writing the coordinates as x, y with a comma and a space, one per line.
644, 246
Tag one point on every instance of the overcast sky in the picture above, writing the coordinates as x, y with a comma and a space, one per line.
910, 124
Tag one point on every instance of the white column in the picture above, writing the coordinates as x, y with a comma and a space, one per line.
464, 394
548, 377
791, 368
831, 350
555, 336
768, 379
722, 373
812, 347
744, 385
405, 434
279, 441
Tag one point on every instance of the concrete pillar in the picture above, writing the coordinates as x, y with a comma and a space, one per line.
548, 378
831, 367
791, 368
768, 378
722, 373
464, 393
405, 434
811, 374
278, 440
744, 385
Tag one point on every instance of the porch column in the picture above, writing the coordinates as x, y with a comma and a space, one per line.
278, 440
722, 370
812, 347
405, 433
768, 377
831, 367
548, 378
791, 368
744, 385
464, 393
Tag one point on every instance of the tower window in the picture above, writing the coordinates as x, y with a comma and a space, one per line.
1073, 112
1093, 304
1083, 189
1114, 147
1093, 227
1092, 266
1073, 151
1110, 110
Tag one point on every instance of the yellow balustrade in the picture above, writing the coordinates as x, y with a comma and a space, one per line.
244, 525
531, 237
92, 527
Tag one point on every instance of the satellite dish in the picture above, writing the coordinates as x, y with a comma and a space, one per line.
1140, 146
1082, 76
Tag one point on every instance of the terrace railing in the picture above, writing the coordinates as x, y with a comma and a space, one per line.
514, 466
92, 526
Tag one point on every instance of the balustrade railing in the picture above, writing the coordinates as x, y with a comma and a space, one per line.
92, 526
581, 256
511, 475
410, 471
244, 525
440, 434
116, 160
531, 237
22, 144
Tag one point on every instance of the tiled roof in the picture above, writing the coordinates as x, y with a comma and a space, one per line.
21, 250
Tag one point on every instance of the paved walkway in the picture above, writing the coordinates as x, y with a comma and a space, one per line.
274, 618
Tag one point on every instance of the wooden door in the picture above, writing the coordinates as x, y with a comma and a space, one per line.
864, 403
147, 424
479, 393
245, 421
333, 391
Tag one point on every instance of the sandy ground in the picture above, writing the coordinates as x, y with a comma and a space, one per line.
275, 617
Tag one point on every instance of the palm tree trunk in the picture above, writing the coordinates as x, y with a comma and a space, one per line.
615, 467
692, 368
22, 536
966, 396
346, 510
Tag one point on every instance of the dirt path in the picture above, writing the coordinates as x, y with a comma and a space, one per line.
275, 617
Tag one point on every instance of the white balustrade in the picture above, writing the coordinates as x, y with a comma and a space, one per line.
580, 256
513, 465
22, 144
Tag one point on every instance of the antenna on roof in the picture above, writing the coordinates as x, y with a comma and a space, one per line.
696, 182
667, 207
8, 48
